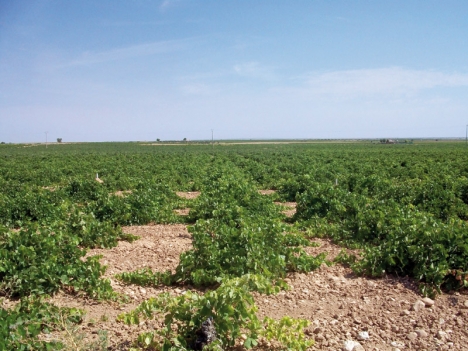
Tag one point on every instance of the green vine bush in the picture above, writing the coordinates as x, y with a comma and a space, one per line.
228, 193
237, 232
396, 238
146, 277
239, 244
25, 269
233, 310
21, 326
149, 202
405, 206
258, 245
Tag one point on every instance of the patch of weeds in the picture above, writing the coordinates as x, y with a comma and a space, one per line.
345, 258
233, 310
146, 277
22, 326
129, 237
104, 318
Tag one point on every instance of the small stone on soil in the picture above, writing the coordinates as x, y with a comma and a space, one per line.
363, 335
418, 305
421, 333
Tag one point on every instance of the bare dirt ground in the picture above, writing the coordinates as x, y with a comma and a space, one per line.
290, 208
122, 193
266, 192
380, 314
183, 211
158, 248
368, 314
188, 194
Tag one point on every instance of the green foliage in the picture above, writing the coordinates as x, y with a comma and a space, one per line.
20, 203
232, 308
228, 194
21, 325
149, 202
288, 331
37, 260
405, 206
290, 187
256, 245
238, 231
422, 247
85, 190
91, 232
344, 258
397, 238
146, 277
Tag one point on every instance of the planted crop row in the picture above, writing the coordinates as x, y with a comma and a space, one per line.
405, 206
239, 244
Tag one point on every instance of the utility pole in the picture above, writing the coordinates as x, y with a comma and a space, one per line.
46, 139
212, 140
466, 137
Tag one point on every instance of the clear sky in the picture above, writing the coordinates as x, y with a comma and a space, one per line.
116, 70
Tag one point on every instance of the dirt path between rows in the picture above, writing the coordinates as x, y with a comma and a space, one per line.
367, 314
380, 314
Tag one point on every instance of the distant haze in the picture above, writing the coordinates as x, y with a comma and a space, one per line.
141, 70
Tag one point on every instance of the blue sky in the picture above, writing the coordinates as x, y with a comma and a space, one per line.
121, 70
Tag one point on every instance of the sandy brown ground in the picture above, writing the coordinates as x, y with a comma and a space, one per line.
183, 211
122, 193
158, 248
290, 208
266, 192
188, 194
339, 304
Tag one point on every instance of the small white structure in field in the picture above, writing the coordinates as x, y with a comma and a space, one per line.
98, 180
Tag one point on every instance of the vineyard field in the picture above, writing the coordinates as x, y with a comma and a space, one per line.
287, 246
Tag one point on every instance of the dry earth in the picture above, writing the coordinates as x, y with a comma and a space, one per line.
266, 192
188, 194
122, 193
182, 211
290, 208
340, 305
368, 314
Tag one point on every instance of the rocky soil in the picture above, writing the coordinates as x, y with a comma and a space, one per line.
346, 312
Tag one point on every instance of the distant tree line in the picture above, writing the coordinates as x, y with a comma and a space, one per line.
393, 141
